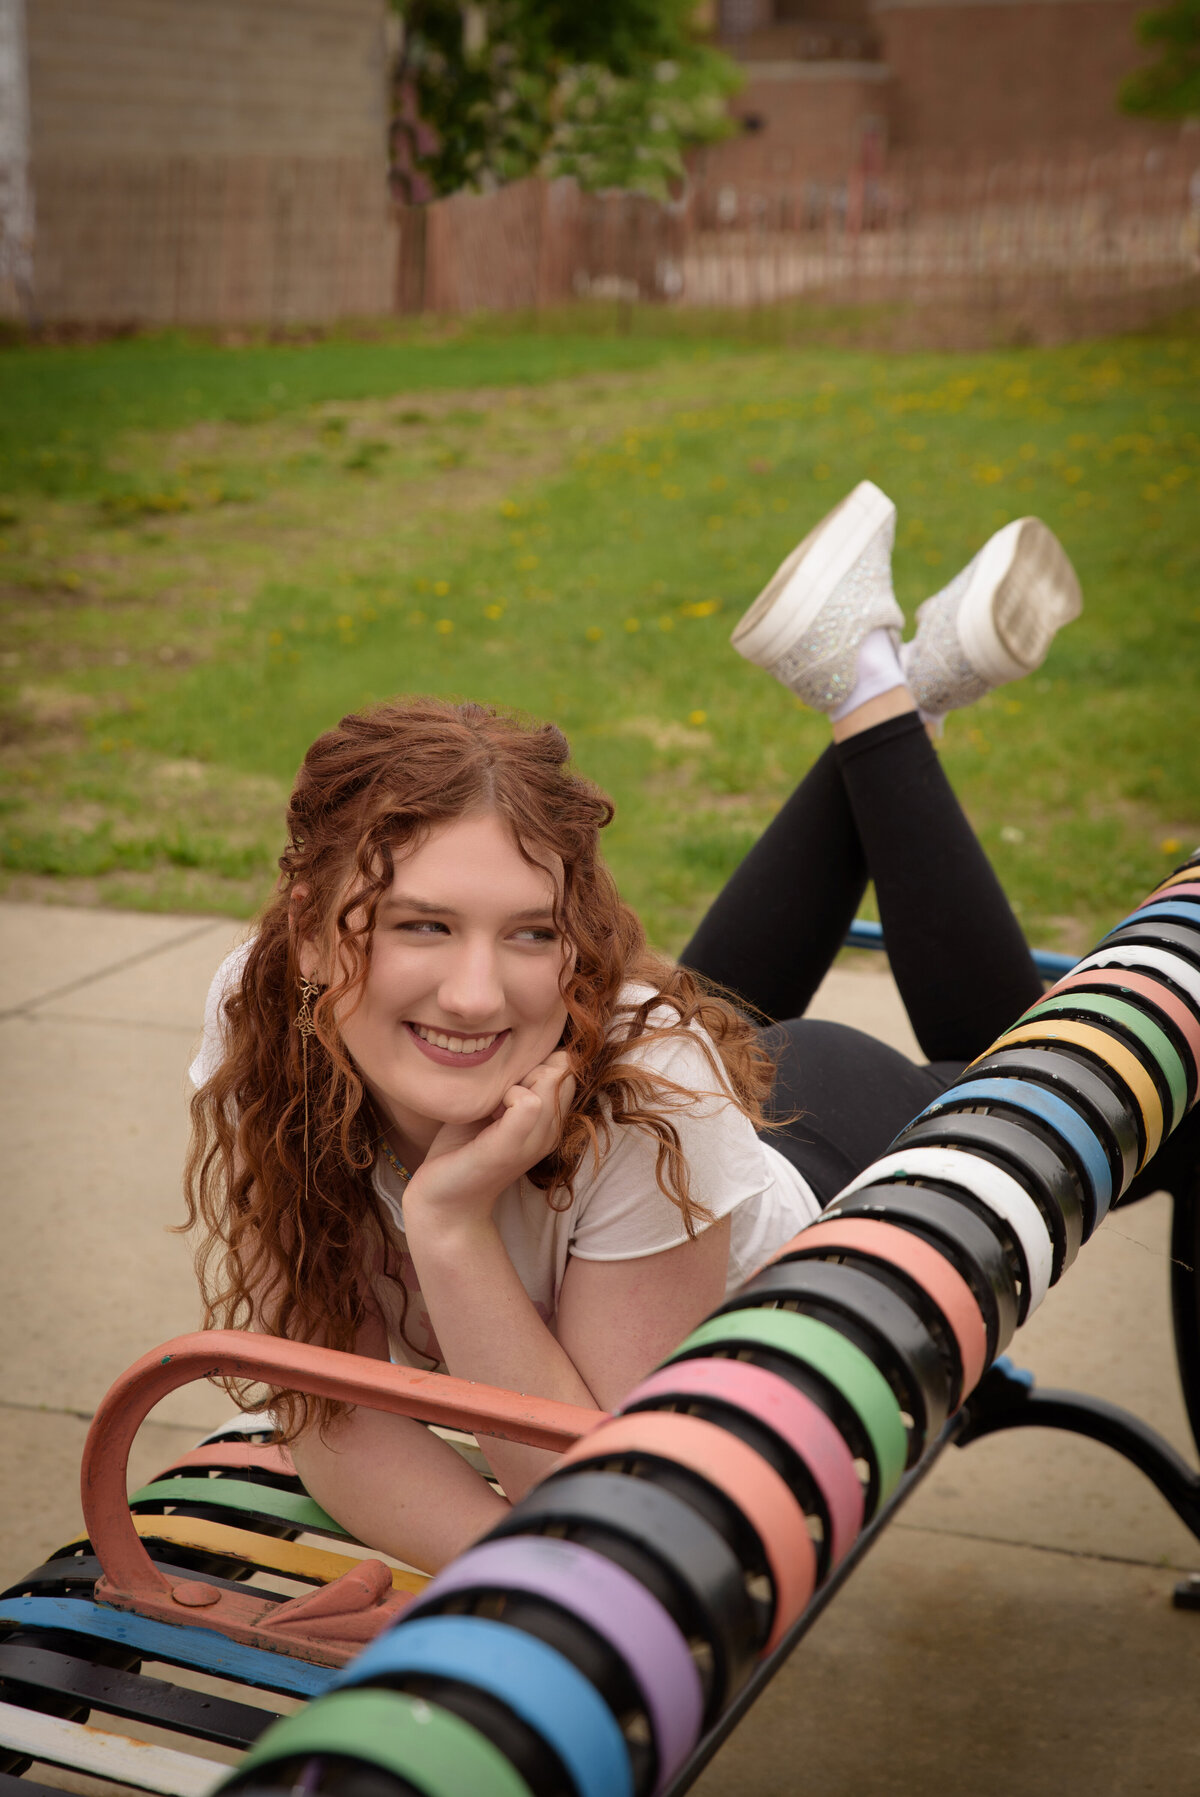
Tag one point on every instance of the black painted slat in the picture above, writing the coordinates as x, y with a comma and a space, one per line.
76, 1577
132, 1696
11, 1786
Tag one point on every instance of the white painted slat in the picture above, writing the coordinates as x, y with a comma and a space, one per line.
248, 1422
104, 1755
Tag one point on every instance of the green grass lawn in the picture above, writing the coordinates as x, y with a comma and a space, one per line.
209, 554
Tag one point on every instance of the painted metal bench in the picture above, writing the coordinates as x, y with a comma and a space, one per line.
609, 1634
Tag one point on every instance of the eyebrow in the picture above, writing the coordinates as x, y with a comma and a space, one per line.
401, 901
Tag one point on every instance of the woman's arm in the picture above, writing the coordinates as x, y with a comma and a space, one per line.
616, 1320
393, 1483
484, 1321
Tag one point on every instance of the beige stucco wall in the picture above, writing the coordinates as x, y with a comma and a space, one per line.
209, 160
207, 77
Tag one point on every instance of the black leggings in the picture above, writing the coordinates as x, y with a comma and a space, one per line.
878, 807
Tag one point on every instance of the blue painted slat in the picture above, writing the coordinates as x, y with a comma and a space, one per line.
1025, 1095
1177, 911
1051, 966
178, 1645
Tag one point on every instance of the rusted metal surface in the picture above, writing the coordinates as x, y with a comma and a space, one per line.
330, 1625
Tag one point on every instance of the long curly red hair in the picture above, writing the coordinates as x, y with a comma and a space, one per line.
292, 1235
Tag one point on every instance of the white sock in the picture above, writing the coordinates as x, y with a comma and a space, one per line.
932, 720
876, 671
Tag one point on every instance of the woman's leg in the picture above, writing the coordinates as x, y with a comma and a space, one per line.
956, 949
840, 1097
773, 930
827, 626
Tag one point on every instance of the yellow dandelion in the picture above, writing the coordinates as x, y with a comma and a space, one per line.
444, 626
1170, 845
345, 622
441, 588
509, 509
593, 633
632, 624
665, 623
275, 638
493, 612
697, 718
700, 608
672, 492
822, 471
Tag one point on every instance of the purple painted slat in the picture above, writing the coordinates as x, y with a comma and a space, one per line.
613, 1603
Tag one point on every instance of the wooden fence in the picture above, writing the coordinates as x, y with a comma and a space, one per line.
270, 240
1101, 226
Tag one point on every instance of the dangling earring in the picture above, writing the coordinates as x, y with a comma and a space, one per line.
307, 1028
304, 1016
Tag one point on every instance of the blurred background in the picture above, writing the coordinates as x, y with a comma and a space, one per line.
506, 348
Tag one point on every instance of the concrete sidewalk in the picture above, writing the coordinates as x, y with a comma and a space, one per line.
1011, 1633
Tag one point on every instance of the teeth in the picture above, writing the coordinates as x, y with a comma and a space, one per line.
455, 1045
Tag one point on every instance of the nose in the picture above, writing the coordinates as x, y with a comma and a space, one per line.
471, 988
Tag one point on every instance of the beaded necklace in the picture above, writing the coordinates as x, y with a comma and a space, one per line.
394, 1161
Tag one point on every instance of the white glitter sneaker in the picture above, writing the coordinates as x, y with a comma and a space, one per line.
994, 621
806, 625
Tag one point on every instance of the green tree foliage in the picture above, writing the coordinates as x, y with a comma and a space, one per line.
612, 92
1170, 87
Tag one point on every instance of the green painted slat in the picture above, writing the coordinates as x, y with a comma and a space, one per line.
239, 1494
432, 1749
176, 1644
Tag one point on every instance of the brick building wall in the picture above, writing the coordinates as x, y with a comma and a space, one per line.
928, 80
209, 160
805, 119
1003, 77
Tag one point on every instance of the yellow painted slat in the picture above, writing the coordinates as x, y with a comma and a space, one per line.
292, 1558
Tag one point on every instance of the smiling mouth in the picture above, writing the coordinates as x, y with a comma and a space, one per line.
455, 1050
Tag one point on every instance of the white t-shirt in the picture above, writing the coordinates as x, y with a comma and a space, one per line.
617, 1211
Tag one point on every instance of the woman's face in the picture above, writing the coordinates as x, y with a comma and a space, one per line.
462, 995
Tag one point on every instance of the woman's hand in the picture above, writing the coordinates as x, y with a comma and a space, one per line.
468, 1165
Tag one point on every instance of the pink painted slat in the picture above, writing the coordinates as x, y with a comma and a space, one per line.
236, 1456
792, 1414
